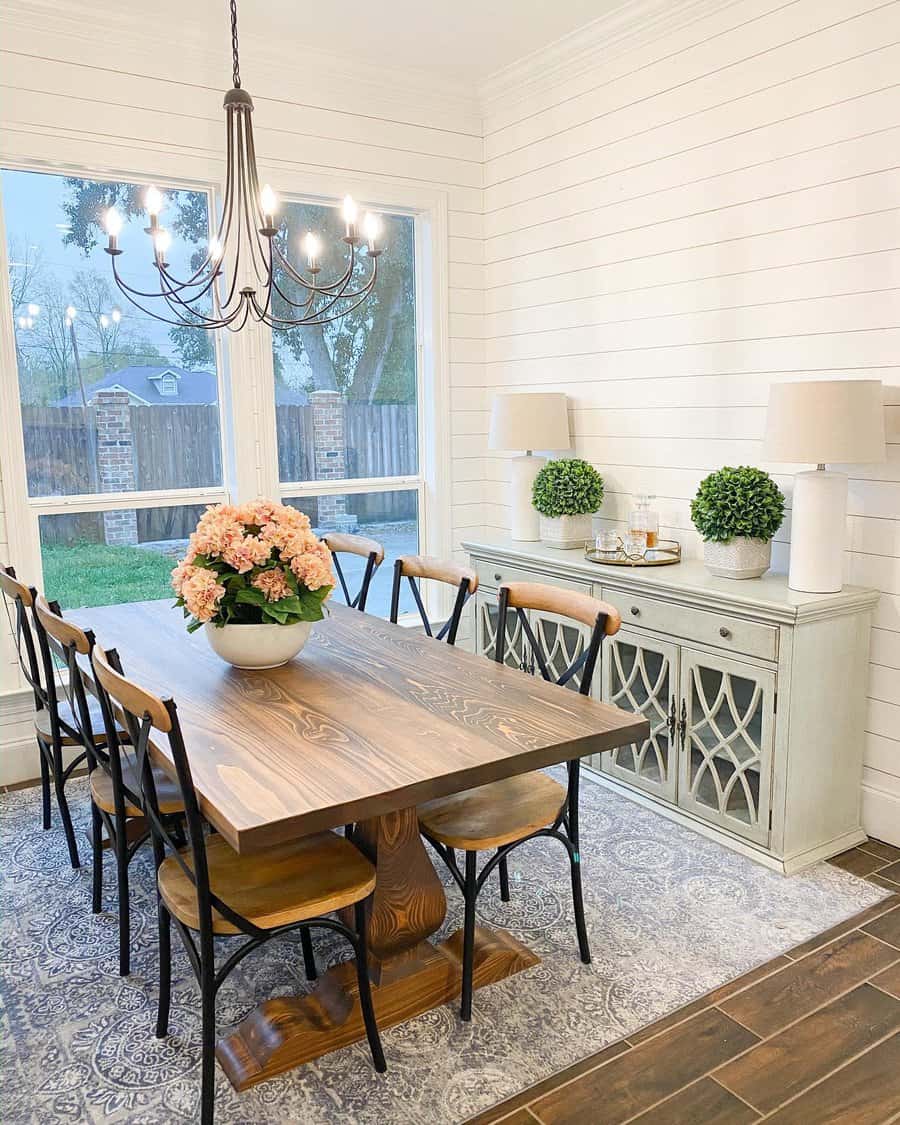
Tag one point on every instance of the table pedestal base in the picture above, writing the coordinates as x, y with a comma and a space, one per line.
289, 1030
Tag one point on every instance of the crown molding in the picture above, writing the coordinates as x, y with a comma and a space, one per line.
633, 24
104, 36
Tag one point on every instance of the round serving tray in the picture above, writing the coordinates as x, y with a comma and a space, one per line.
665, 553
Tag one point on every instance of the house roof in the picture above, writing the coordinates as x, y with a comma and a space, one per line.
194, 388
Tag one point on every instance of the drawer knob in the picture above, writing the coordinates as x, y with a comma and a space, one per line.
635, 611
723, 632
497, 576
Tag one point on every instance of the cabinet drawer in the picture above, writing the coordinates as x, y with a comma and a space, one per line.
492, 575
731, 633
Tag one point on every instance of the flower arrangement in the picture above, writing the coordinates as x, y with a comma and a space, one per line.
567, 487
252, 564
733, 503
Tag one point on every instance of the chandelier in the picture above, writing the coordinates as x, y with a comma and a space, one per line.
245, 270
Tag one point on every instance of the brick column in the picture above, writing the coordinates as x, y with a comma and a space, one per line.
330, 457
115, 463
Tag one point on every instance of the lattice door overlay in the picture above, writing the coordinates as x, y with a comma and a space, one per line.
560, 643
639, 676
726, 754
488, 614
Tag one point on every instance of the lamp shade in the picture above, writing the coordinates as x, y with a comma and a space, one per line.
529, 421
836, 421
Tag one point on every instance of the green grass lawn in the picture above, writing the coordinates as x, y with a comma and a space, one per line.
89, 574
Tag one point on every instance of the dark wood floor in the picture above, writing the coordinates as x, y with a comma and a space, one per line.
811, 1038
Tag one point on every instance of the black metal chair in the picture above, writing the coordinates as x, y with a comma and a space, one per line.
506, 814
56, 725
115, 787
413, 567
207, 889
370, 549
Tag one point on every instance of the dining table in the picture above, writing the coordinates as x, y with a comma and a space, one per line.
370, 720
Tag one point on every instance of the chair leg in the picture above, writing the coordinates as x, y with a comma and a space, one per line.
96, 860
208, 1057
64, 813
309, 958
365, 988
578, 900
165, 970
469, 893
504, 879
121, 844
45, 788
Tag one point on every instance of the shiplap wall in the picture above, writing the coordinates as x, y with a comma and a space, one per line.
89, 86
670, 230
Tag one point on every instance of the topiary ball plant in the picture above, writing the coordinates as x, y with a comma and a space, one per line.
567, 487
742, 502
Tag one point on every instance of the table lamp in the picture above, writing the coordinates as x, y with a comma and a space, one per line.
528, 421
839, 421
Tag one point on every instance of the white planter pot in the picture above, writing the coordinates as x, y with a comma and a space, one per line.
258, 646
565, 532
738, 558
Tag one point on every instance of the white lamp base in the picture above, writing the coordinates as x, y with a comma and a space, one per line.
818, 532
525, 521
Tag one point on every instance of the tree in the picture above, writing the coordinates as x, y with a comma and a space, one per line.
369, 354
105, 335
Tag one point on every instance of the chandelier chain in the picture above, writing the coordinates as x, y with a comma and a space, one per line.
236, 65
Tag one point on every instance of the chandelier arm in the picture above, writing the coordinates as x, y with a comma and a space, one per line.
289, 300
317, 318
174, 302
247, 165
162, 319
313, 286
363, 291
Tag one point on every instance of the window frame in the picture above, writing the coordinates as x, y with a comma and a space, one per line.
250, 452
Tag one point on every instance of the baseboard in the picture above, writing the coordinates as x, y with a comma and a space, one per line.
881, 814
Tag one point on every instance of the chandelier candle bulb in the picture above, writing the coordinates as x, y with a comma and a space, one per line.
162, 240
113, 224
153, 201
372, 229
351, 214
313, 248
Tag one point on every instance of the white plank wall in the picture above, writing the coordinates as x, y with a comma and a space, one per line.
671, 229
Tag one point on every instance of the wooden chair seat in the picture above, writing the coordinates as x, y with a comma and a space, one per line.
303, 879
167, 791
42, 723
493, 815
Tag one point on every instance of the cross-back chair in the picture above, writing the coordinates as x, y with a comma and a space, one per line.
115, 801
416, 567
208, 890
502, 816
56, 725
370, 549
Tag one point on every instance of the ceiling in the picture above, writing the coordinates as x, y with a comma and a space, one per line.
458, 41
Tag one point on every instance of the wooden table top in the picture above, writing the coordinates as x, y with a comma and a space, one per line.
369, 719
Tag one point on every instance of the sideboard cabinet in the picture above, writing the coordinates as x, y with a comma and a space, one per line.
755, 694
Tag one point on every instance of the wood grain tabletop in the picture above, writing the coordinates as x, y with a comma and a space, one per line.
370, 718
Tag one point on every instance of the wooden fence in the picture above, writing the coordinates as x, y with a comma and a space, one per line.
180, 447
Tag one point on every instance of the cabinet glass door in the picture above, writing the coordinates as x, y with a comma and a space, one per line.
639, 674
727, 735
560, 641
486, 615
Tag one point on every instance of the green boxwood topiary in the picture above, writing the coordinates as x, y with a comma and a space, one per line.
737, 502
567, 487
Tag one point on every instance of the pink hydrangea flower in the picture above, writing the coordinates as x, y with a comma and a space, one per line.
273, 584
247, 552
202, 593
312, 570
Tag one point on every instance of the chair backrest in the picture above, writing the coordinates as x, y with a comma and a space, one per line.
413, 567
142, 714
370, 549
18, 601
601, 618
60, 644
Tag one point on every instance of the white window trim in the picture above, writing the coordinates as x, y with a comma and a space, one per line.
249, 454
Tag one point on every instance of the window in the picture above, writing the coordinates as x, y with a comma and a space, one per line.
347, 399
92, 377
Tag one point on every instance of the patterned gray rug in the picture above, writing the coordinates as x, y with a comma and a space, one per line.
671, 915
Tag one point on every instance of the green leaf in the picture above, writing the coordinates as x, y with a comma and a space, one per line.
249, 595
567, 486
732, 502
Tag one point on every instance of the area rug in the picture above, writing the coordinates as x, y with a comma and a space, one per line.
671, 915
